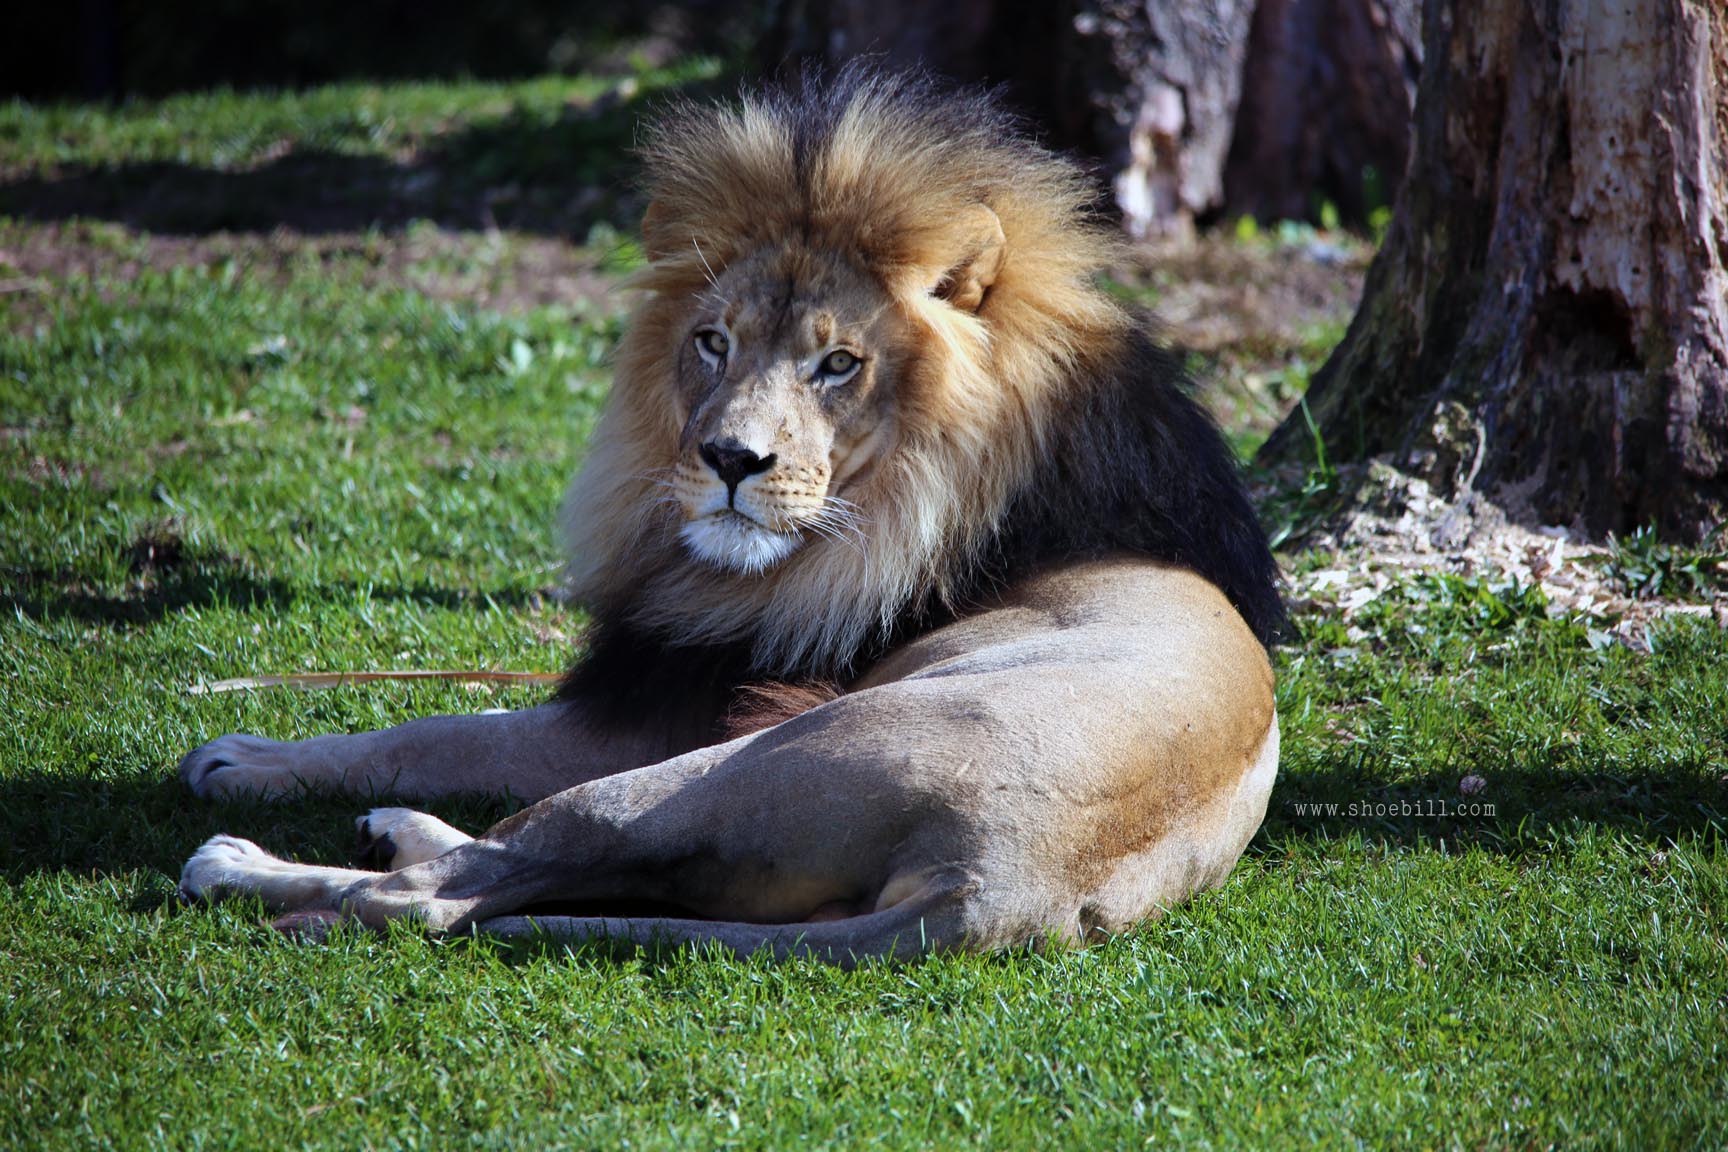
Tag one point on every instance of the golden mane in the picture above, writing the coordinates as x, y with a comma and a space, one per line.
876, 169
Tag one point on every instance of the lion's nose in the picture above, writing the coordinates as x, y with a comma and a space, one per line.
733, 462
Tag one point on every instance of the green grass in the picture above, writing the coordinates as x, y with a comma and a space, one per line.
208, 473
228, 130
541, 155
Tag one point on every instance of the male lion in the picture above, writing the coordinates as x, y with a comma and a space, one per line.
930, 613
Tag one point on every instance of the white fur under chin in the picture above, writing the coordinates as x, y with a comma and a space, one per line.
731, 541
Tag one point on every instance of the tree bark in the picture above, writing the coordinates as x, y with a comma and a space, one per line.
1546, 325
1151, 89
1325, 112
1148, 88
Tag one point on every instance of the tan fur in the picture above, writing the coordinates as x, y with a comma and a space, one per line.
1071, 755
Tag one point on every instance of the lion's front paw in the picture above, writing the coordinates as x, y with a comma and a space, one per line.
224, 866
237, 765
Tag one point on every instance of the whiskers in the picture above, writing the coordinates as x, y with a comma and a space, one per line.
707, 269
664, 482
756, 530
659, 477
840, 521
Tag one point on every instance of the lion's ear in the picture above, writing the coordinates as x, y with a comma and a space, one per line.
977, 246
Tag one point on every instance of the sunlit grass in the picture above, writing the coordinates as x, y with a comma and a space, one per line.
228, 130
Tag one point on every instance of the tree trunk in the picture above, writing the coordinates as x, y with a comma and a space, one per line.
1546, 325
1151, 89
1325, 112
1148, 88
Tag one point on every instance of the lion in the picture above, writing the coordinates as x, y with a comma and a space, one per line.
928, 610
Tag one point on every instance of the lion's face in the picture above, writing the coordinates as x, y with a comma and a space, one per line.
858, 325
784, 386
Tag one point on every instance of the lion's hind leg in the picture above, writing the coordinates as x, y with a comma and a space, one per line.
393, 838
229, 866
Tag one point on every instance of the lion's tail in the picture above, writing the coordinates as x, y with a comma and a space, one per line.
925, 922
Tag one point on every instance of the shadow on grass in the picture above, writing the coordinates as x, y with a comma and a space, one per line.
63, 823
74, 826
1517, 812
559, 176
55, 823
45, 595
48, 596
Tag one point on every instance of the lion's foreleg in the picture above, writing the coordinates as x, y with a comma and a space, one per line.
527, 755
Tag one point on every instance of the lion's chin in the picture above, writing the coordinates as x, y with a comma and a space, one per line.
733, 541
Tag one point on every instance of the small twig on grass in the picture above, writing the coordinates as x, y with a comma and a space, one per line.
307, 681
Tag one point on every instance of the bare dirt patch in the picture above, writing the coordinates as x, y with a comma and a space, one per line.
1257, 318
496, 270
1217, 295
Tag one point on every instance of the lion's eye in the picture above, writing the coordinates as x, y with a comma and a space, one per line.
839, 363
713, 344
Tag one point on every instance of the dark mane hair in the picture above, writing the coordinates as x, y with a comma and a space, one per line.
1138, 466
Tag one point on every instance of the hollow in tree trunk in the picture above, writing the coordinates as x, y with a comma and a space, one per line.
1546, 325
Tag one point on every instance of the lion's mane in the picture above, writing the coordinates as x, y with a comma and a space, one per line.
1046, 426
